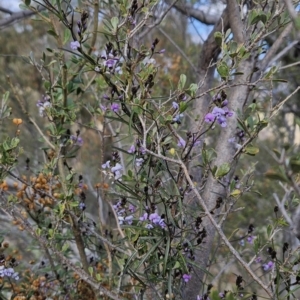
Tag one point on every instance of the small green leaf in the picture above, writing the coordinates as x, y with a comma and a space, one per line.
52, 32
235, 193
67, 36
182, 82
91, 271
193, 89
218, 38
251, 150
222, 170
27, 2
223, 70
114, 22
182, 106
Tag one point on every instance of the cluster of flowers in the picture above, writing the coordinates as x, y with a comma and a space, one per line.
124, 212
43, 104
76, 139
152, 220
115, 107
220, 112
8, 272
110, 58
116, 170
139, 150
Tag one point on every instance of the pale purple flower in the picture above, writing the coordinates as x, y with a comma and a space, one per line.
186, 277
268, 266
218, 112
76, 140
149, 226
129, 219
258, 259
142, 150
178, 118
131, 149
222, 121
144, 217
139, 161
225, 103
115, 107
104, 108
250, 239
209, 118
228, 113
82, 206
162, 51
117, 167
131, 208
75, 45
106, 165
181, 143
154, 218
117, 171
242, 242
221, 295
175, 105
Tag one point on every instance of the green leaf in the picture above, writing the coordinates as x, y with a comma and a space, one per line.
182, 82
251, 150
67, 36
193, 89
223, 70
27, 2
52, 32
91, 271
222, 170
218, 38
114, 22
182, 106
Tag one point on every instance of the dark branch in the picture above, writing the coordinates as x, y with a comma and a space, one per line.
17, 17
5, 10
198, 14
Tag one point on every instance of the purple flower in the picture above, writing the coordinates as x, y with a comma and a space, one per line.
106, 165
75, 45
218, 112
221, 295
104, 108
175, 105
117, 167
128, 219
177, 118
242, 242
142, 150
117, 171
76, 140
250, 239
228, 113
115, 107
139, 161
149, 226
222, 121
186, 277
258, 259
82, 206
225, 103
155, 218
209, 118
131, 208
162, 51
144, 217
268, 266
181, 143
131, 149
